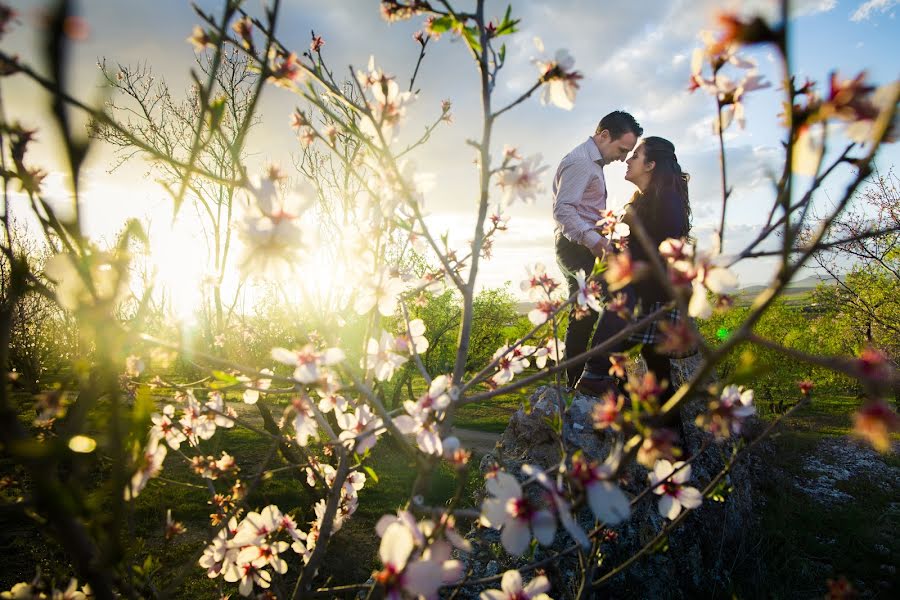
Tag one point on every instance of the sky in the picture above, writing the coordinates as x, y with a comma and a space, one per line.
634, 56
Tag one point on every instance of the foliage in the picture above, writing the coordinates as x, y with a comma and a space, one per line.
44, 338
865, 294
774, 379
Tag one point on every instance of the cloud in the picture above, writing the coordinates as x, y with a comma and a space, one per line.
865, 10
811, 7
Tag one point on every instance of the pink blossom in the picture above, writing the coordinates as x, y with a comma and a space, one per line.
554, 349
305, 425
360, 428
511, 363
150, 466
381, 358
588, 294
875, 422
560, 505
412, 339
254, 386
379, 289
560, 81
621, 270
310, 364
164, 427
539, 284
726, 415
400, 574
543, 311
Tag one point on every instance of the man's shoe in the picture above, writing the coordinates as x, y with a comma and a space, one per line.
596, 387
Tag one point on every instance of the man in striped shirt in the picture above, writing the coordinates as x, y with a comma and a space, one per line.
579, 197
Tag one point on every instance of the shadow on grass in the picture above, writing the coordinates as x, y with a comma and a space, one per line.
803, 540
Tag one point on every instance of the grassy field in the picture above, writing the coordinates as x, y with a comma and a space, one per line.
492, 415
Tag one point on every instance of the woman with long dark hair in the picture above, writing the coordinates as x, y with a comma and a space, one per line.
662, 207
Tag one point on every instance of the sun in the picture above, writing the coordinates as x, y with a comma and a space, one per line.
178, 257
323, 278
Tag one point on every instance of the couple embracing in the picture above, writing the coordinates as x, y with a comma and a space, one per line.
660, 205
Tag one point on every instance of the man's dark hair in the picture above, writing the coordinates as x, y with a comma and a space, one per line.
619, 122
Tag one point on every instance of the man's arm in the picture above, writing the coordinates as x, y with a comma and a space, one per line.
572, 179
602, 247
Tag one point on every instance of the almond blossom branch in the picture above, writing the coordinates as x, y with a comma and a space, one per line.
103, 118
681, 517
304, 583
788, 270
385, 417
826, 245
725, 191
489, 369
771, 227
520, 99
412, 80
839, 364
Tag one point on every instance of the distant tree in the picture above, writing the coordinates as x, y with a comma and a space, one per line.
152, 115
863, 290
498, 322
43, 337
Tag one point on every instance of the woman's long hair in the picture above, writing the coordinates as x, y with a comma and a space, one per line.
666, 178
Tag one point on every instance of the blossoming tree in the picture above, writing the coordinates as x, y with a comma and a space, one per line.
337, 411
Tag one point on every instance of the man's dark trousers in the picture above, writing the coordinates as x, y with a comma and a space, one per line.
571, 257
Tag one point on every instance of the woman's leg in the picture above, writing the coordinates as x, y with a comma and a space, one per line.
661, 366
597, 367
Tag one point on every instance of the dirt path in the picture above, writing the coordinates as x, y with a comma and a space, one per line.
479, 442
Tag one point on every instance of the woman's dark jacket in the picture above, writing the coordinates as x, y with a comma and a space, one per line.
662, 216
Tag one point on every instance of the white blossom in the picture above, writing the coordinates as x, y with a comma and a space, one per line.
511, 588
675, 495
522, 181
508, 510
381, 358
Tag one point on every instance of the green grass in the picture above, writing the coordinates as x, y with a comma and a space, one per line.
491, 415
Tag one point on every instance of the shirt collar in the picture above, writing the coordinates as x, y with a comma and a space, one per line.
593, 151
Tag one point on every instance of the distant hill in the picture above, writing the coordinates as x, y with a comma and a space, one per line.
797, 287
807, 284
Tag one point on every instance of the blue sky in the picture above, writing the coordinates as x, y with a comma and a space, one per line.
634, 56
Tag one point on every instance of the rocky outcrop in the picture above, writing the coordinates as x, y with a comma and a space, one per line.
696, 559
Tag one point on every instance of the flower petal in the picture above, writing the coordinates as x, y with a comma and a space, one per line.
690, 497
396, 545
536, 586
511, 582
699, 306
423, 578
669, 506
543, 523
515, 537
608, 503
